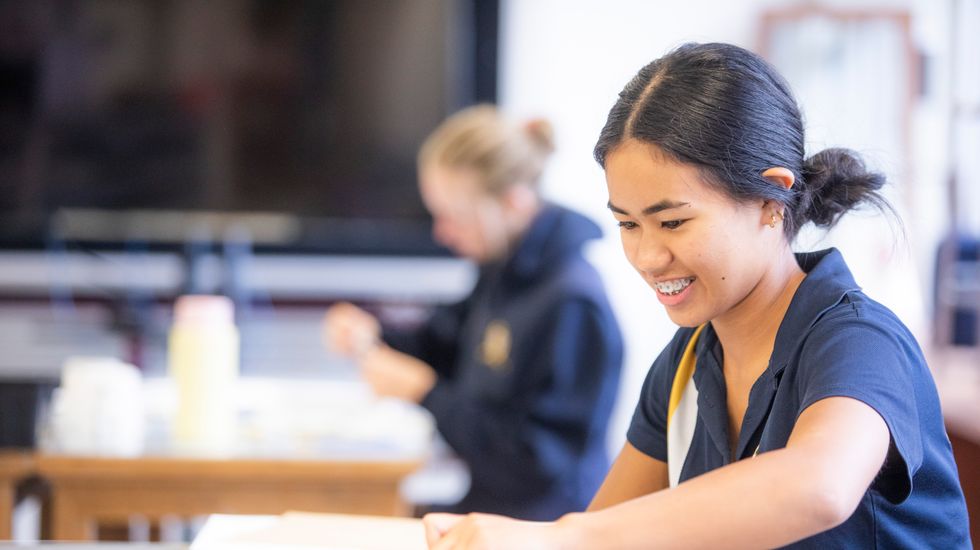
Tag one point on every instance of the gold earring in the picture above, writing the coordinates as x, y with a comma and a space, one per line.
772, 220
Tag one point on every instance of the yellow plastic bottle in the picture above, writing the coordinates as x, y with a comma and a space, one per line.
203, 360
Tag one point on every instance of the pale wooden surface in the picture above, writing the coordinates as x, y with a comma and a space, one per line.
15, 467
957, 373
86, 491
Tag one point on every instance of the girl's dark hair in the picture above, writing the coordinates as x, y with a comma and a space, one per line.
727, 111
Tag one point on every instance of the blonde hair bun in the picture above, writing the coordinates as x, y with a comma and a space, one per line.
542, 133
482, 140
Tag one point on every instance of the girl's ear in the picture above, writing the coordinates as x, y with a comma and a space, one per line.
780, 176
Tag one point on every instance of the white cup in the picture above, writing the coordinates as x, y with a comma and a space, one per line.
98, 409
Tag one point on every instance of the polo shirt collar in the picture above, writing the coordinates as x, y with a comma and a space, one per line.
827, 281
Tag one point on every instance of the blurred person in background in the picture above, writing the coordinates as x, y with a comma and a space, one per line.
789, 409
520, 376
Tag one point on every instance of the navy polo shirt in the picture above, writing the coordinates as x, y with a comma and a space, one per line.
833, 341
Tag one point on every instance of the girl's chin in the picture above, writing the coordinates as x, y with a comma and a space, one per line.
688, 318
686, 322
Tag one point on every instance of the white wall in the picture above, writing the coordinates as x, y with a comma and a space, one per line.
568, 60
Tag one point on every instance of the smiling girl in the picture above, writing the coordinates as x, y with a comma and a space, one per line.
789, 409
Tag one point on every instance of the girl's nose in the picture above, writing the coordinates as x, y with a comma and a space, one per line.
653, 257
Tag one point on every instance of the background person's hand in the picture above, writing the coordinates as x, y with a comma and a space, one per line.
350, 331
391, 373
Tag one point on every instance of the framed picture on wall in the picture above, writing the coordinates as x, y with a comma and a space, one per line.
855, 74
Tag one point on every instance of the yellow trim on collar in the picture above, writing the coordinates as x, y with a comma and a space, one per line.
685, 371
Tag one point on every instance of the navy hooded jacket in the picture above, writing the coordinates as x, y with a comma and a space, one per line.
528, 368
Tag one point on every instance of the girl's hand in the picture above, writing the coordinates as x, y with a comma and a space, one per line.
490, 532
349, 330
391, 373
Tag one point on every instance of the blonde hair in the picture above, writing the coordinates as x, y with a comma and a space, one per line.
501, 152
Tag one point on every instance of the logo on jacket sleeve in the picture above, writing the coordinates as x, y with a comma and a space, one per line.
495, 348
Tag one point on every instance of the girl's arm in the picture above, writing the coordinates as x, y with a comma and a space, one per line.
814, 484
633, 474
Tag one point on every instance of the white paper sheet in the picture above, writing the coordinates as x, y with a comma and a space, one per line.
308, 531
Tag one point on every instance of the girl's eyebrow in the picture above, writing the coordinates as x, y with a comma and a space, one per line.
665, 204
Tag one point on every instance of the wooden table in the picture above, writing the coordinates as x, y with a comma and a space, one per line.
87, 491
957, 373
15, 467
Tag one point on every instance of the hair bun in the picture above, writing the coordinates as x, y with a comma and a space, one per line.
835, 181
542, 133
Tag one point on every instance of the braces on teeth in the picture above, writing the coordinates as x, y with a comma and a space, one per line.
674, 287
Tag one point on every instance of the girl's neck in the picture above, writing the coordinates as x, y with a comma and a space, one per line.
747, 332
514, 223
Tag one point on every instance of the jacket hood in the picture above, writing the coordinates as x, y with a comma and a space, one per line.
555, 233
